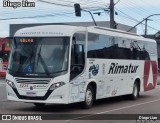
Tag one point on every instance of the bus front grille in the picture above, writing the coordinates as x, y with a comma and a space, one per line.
33, 80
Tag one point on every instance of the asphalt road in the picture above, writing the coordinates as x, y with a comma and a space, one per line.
148, 103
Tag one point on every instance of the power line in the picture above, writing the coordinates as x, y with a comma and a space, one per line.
67, 5
48, 9
55, 3
117, 2
88, 6
134, 19
38, 16
127, 15
68, 1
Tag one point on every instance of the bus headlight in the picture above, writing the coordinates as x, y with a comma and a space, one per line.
11, 84
56, 85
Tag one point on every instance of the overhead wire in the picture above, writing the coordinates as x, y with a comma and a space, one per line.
131, 18
43, 10
37, 16
135, 19
89, 7
92, 5
141, 10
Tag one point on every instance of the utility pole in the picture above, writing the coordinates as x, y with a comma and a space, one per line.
146, 20
145, 33
112, 22
142, 21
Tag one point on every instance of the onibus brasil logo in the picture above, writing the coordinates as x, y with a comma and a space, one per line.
21, 117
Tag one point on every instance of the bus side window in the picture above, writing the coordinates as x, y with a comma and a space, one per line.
79, 54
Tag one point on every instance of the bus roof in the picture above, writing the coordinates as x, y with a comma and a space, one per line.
68, 30
117, 33
48, 31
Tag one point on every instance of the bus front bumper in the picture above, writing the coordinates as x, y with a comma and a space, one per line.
53, 97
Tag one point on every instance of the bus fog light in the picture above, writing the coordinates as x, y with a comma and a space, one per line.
11, 84
56, 85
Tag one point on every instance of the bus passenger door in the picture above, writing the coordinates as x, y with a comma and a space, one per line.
77, 63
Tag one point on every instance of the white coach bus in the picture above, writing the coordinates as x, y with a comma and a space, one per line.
64, 64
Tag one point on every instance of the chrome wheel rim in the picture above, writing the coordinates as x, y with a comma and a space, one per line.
135, 91
89, 97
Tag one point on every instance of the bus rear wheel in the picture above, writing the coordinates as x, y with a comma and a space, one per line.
135, 92
89, 97
40, 105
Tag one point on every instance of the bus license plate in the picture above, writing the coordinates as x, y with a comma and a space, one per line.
31, 94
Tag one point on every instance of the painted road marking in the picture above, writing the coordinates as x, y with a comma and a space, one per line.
115, 109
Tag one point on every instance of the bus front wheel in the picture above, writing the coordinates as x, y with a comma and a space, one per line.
89, 97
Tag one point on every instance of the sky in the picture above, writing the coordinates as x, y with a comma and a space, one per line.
129, 12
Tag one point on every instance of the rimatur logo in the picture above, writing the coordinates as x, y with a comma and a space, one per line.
150, 75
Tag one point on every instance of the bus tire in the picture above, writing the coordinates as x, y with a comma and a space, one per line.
135, 92
40, 105
89, 97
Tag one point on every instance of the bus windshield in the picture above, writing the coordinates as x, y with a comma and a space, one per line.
39, 55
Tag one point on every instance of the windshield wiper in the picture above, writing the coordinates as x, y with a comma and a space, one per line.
42, 61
